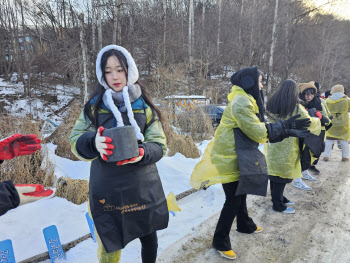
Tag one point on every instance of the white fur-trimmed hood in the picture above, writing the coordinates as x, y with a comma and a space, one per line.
133, 76
133, 73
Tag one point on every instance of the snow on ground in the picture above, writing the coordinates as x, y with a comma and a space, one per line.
12, 95
26, 233
24, 224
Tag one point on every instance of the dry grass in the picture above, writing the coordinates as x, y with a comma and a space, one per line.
195, 123
183, 144
60, 136
25, 169
178, 143
74, 190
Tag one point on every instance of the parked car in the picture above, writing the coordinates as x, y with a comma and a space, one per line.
214, 111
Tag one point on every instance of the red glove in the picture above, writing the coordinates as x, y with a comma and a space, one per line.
19, 144
318, 114
134, 159
103, 144
31, 192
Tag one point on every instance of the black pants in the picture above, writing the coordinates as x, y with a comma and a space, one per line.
149, 244
278, 199
233, 206
322, 135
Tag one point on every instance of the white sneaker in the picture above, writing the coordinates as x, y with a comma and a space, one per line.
298, 183
307, 176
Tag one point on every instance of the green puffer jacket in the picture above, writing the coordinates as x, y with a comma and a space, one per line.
153, 133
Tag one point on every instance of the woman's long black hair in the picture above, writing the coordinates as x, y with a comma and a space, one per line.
91, 110
283, 101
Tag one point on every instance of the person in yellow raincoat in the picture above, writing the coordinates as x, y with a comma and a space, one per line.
339, 106
312, 146
233, 159
283, 158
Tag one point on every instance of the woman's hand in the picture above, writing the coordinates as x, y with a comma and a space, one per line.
134, 159
31, 192
103, 144
18, 145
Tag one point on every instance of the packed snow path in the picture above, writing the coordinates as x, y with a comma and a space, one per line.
319, 231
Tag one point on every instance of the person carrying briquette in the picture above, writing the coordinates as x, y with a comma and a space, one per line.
339, 106
12, 196
312, 146
283, 158
126, 198
233, 159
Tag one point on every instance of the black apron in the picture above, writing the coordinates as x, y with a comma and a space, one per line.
252, 166
126, 202
312, 143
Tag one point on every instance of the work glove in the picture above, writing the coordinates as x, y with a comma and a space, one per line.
103, 144
319, 114
19, 144
134, 159
298, 133
293, 123
31, 192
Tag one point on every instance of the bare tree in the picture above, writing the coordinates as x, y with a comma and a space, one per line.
93, 25
99, 25
219, 26
116, 24
190, 32
83, 49
272, 48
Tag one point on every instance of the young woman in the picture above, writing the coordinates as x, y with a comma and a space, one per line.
126, 198
339, 106
233, 159
283, 158
313, 146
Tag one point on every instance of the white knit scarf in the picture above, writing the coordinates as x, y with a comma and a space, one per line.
108, 101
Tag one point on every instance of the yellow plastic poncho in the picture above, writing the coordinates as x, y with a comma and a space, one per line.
325, 112
283, 158
341, 123
219, 163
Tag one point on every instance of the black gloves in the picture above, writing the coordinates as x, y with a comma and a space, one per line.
298, 133
293, 123
276, 131
279, 130
324, 120
312, 112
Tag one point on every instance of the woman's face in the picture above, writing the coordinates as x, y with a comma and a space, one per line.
260, 83
309, 97
115, 74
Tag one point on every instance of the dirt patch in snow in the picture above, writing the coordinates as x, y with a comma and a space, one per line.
319, 231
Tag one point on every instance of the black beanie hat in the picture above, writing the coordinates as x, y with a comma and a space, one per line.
246, 78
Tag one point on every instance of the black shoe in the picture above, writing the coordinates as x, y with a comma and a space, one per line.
314, 170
